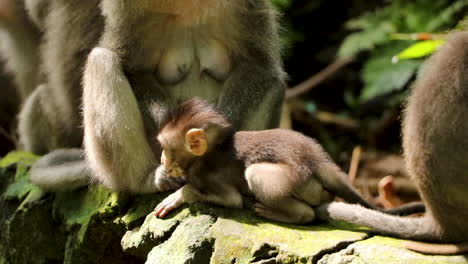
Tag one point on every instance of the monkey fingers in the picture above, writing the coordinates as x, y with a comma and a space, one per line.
171, 202
165, 182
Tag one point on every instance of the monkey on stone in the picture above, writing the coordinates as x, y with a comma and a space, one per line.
139, 58
435, 142
288, 173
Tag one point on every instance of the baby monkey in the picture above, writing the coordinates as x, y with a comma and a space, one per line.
288, 173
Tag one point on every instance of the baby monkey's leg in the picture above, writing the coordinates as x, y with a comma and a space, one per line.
273, 185
286, 210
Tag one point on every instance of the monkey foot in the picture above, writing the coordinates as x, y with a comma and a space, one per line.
267, 212
171, 202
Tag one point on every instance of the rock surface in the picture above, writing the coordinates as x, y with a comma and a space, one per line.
94, 225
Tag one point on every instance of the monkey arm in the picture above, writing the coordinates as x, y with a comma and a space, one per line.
228, 197
252, 97
115, 142
253, 94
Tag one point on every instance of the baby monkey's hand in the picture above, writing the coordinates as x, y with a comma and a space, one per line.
171, 202
164, 181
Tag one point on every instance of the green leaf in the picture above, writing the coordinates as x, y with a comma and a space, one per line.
419, 50
400, 16
381, 76
365, 40
282, 3
447, 15
21, 186
18, 157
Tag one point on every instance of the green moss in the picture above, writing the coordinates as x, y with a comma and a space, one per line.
140, 207
78, 207
237, 239
152, 233
32, 236
188, 244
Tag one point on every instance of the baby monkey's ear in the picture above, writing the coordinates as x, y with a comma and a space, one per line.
195, 141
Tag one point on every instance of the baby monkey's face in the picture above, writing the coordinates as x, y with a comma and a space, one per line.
171, 166
179, 153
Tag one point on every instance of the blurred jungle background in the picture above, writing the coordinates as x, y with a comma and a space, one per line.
350, 66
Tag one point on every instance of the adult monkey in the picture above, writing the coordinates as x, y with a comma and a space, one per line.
150, 53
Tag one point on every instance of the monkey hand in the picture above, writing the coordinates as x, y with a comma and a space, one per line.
171, 202
165, 182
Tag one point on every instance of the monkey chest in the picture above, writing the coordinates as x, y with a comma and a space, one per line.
192, 59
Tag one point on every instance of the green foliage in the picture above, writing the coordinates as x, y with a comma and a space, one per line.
282, 3
373, 31
381, 76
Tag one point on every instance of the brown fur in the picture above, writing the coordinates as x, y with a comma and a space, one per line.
287, 172
435, 141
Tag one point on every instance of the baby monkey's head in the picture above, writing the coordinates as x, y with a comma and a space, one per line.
193, 129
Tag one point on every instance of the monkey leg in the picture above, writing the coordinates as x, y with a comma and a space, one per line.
19, 46
34, 128
59, 170
115, 142
273, 185
287, 210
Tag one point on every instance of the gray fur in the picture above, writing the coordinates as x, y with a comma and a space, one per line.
56, 164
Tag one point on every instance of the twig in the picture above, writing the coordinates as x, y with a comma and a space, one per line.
7, 135
354, 167
387, 196
318, 78
322, 116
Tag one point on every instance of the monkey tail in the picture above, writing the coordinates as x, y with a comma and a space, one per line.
422, 228
60, 170
437, 249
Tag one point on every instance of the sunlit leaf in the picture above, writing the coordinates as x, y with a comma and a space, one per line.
419, 50
365, 40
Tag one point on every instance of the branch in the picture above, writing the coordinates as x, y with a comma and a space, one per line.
318, 78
